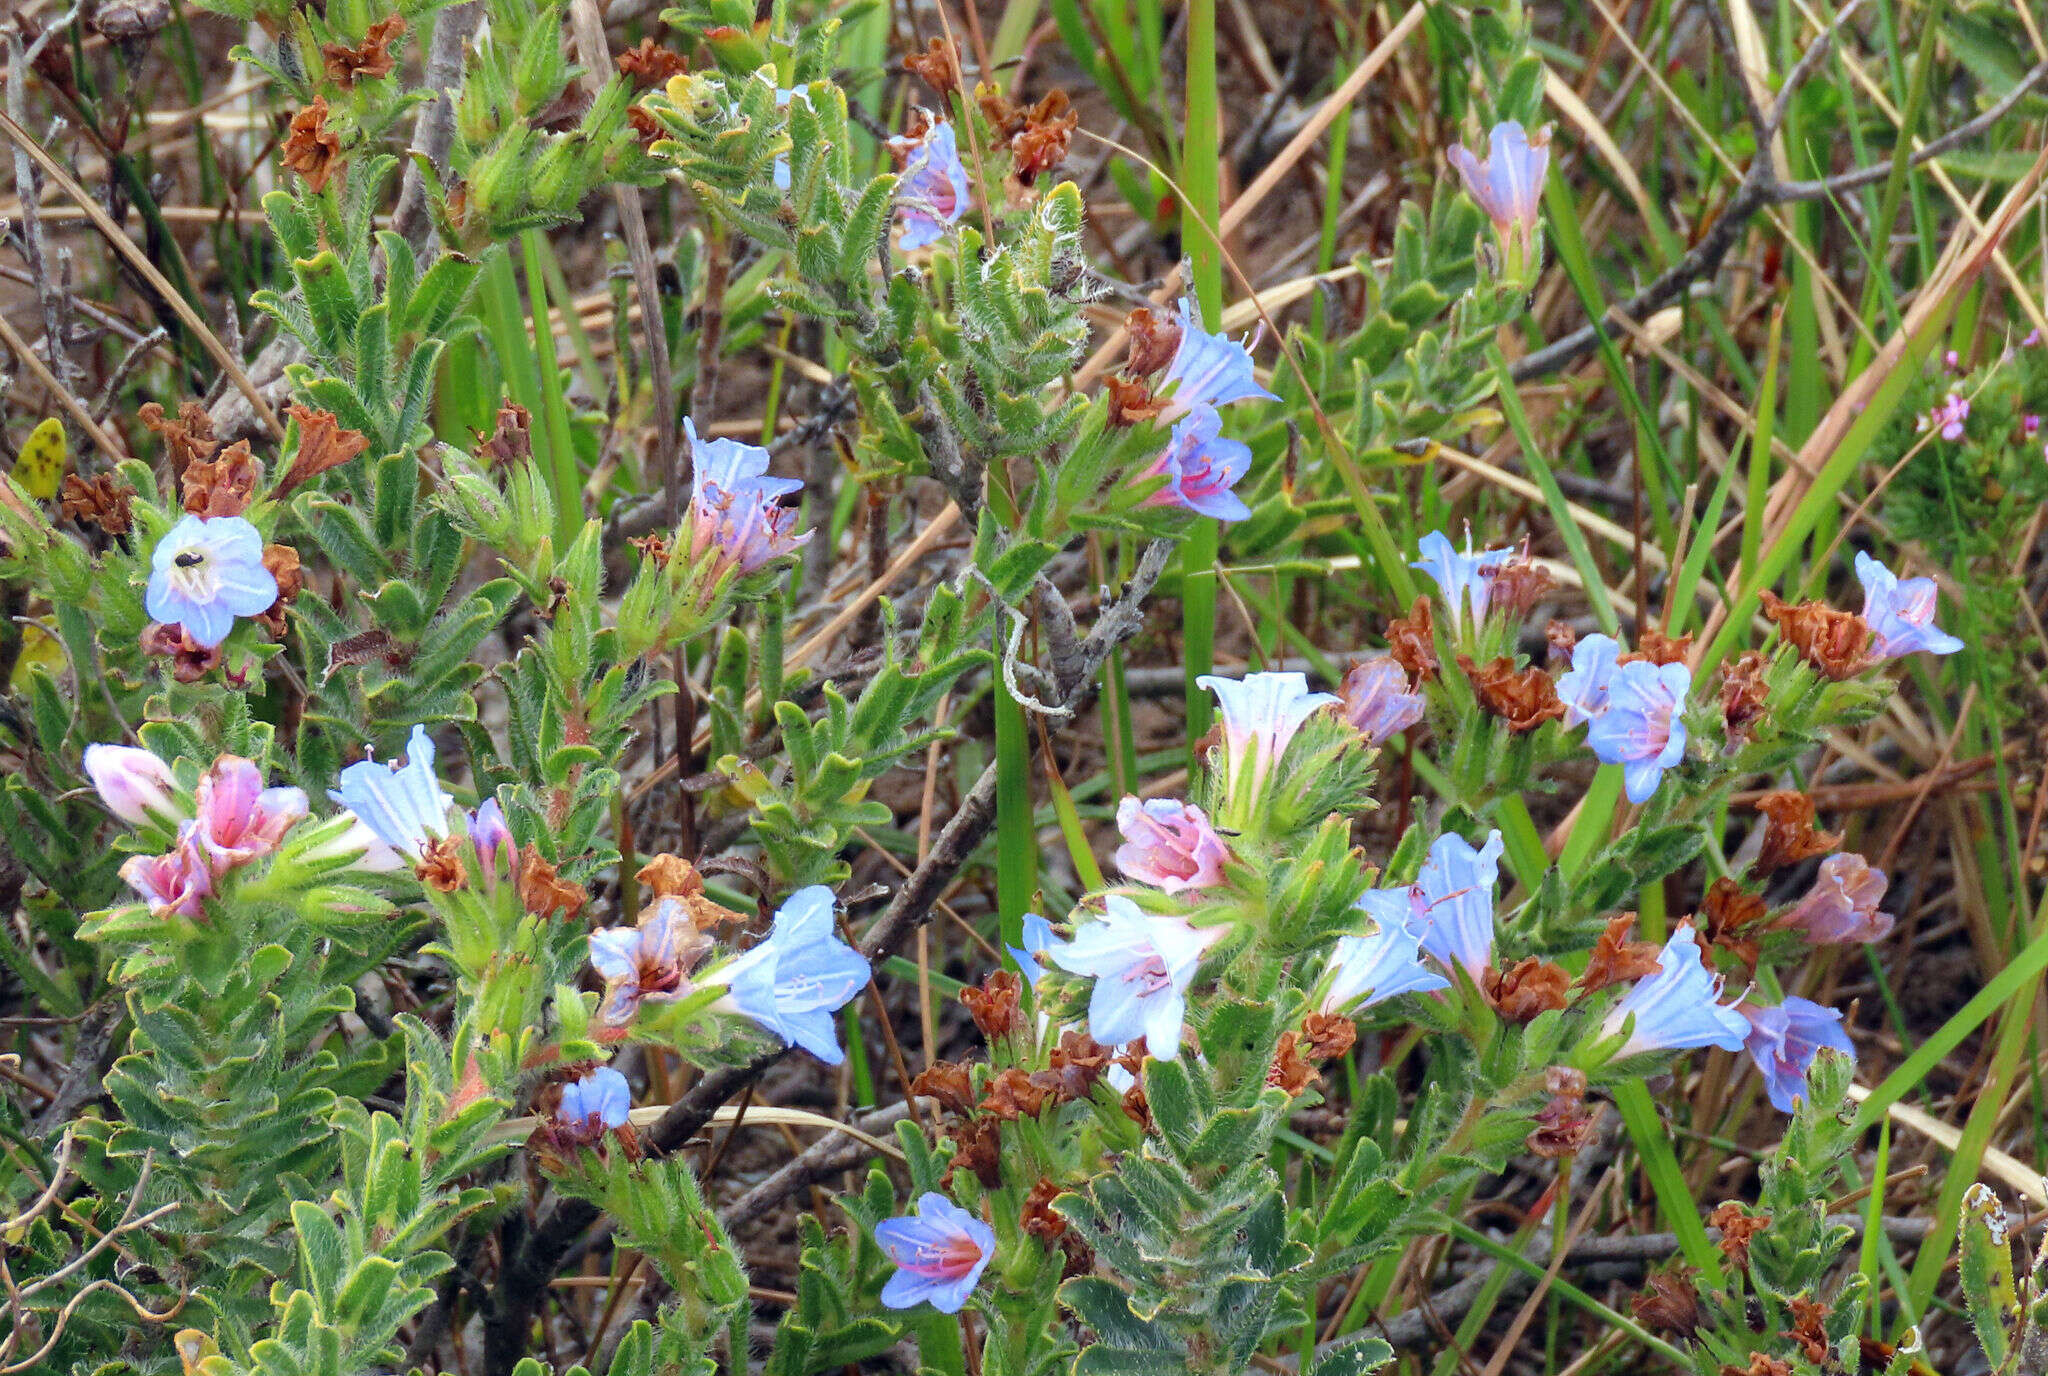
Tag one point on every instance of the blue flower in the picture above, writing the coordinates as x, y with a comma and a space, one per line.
1460, 577
933, 190
650, 961
205, 572
593, 1106
1261, 713
1039, 939
795, 980
491, 836
1210, 369
1900, 612
1583, 687
1142, 964
402, 805
1784, 1040
1640, 728
1376, 699
1372, 969
1675, 1009
735, 507
940, 1253
1201, 466
1454, 898
1508, 183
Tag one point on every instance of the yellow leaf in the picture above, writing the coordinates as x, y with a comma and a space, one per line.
41, 466
36, 649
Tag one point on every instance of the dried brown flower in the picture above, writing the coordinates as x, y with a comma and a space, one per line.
283, 563
1743, 694
1130, 400
1671, 1305
1789, 833
1412, 642
1041, 145
323, 444
938, 66
125, 21
1524, 698
1809, 1328
1329, 1035
440, 866
1016, 1093
645, 126
1137, 1107
370, 58
1080, 1060
187, 440
1763, 1365
1563, 1127
1658, 648
1728, 913
542, 889
1616, 958
649, 66
997, 1004
223, 486
1154, 339
512, 440
190, 661
1038, 1218
978, 1148
1835, 642
1737, 1227
1531, 987
670, 876
1516, 587
97, 501
312, 149
950, 1082
1290, 1070
1562, 640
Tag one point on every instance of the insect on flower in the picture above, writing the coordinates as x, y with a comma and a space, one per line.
207, 571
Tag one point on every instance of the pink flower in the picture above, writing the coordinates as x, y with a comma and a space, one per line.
174, 884
1948, 417
239, 819
1842, 905
1169, 844
1376, 700
135, 784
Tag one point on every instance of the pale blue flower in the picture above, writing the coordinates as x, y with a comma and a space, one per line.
1386, 964
1453, 896
940, 1253
933, 190
1460, 577
1142, 964
594, 1105
799, 976
1201, 465
1039, 939
1207, 369
736, 507
1261, 713
1376, 698
1675, 1009
1900, 612
1583, 687
1783, 1042
1507, 182
652, 960
1640, 728
205, 572
402, 805
490, 835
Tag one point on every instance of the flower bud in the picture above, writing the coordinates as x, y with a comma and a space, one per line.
136, 786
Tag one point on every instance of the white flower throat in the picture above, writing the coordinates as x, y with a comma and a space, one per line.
192, 575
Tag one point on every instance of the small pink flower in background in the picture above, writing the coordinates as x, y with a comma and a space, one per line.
1948, 417
1842, 904
134, 783
2030, 426
239, 819
1169, 844
1950, 360
176, 883
1376, 699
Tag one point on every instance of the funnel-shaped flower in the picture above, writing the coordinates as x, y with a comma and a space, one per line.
1460, 577
1640, 728
403, 805
1201, 466
490, 835
1675, 1009
1842, 904
1142, 964
933, 190
240, 819
940, 1253
795, 980
1039, 939
1583, 687
175, 883
1388, 963
1508, 184
135, 784
1784, 1040
735, 506
1169, 844
650, 961
207, 571
1376, 698
592, 1106
1900, 612
1261, 713
1207, 369
1453, 900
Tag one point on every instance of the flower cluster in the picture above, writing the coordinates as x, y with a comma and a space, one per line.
232, 820
1203, 372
